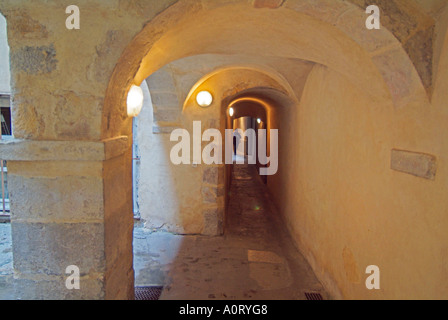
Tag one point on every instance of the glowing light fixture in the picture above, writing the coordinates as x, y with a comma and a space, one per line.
204, 99
231, 112
135, 101
259, 120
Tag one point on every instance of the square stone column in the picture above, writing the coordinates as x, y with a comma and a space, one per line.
213, 198
71, 205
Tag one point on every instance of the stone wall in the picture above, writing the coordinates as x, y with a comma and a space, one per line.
366, 202
61, 199
169, 196
186, 199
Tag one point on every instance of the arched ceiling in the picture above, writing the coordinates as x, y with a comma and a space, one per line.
249, 108
382, 63
281, 33
229, 84
182, 77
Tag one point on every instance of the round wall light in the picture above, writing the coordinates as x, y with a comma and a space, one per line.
204, 99
231, 112
259, 120
135, 101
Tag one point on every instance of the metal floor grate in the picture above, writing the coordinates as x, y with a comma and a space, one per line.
148, 293
313, 296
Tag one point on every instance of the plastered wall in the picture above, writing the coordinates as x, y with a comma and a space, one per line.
344, 206
4, 58
169, 196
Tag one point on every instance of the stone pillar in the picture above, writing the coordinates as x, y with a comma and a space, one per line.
119, 226
213, 197
71, 204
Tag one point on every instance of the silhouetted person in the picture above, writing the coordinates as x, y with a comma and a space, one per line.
236, 140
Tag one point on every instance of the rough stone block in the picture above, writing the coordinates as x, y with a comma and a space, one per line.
213, 194
48, 249
161, 81
417, 164
214, 175
56, 198
420, 49
25, 26
213, 221
164, 99
107, 52
169, 115
34, 60
28, 150
53, 288
163, 129
73, 120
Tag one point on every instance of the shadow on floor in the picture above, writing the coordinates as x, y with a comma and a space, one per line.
254, 260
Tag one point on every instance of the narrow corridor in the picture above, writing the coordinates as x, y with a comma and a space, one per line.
255, 259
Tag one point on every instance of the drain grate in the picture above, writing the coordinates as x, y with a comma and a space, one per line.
313, 296
148, 293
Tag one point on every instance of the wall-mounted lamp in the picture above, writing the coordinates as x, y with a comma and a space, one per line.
135, 101
231, 112
259, 120
204, 99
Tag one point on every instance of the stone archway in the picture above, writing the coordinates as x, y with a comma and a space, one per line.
389, 73
187, 20
63, 147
